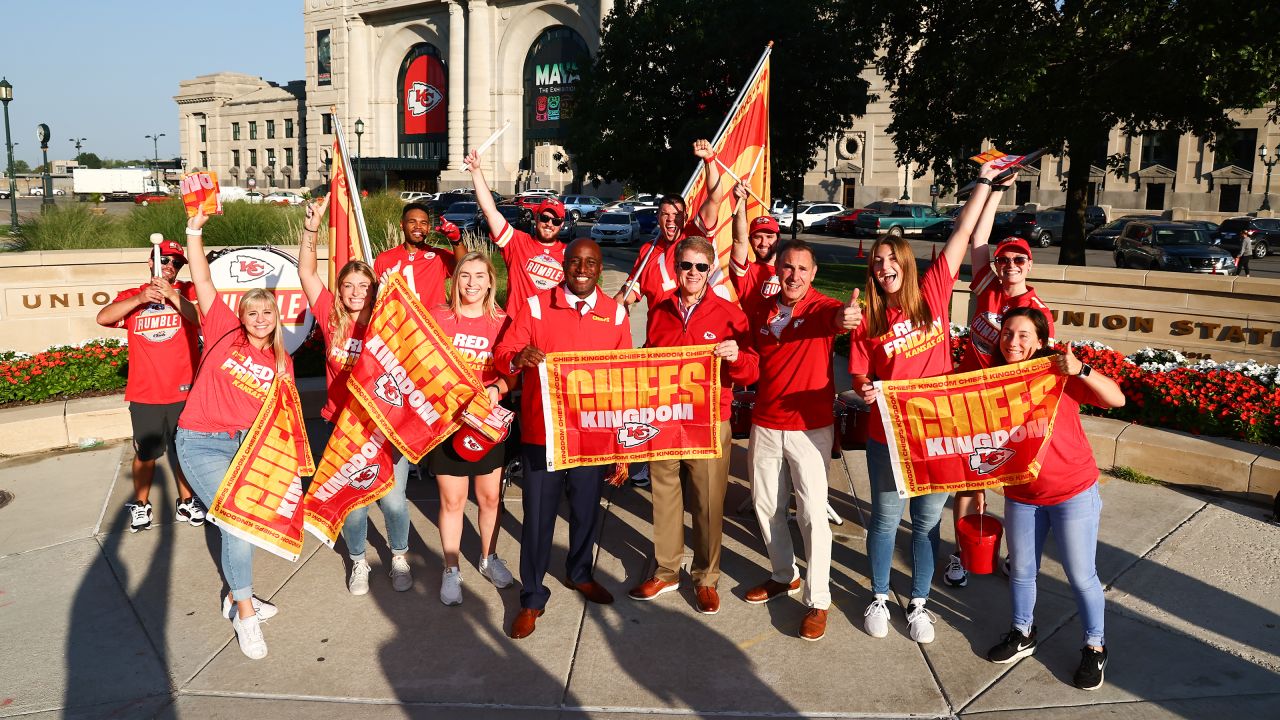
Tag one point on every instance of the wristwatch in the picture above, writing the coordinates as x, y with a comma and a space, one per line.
1084, 370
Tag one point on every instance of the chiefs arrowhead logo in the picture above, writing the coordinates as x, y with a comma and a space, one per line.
245, 268
388, 391
472, 444
422, 98
632, 434
983, 460
708, 335
365, 479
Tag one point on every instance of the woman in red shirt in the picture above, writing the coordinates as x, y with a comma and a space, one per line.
1063, 498
243, 354
473, 321
344, 326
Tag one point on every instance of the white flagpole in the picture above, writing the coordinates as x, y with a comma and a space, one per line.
353, 185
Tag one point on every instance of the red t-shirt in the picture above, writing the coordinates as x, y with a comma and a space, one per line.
426, 271
712, 321
797, 386
233, 379
1068, 468
907, 352
989, 307
659, 276
162, 348
339, 357
532, 267
473, 338
755, 282
549, 323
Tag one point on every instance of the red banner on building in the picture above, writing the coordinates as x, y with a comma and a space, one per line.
609, 406
425, 105
260, 500
355, 470
970, 431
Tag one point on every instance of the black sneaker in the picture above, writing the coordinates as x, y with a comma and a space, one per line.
190, 511
641, 477
1092, 663
1013, 646
139, 516
955, 574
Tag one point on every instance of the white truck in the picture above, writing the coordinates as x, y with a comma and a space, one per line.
111, 184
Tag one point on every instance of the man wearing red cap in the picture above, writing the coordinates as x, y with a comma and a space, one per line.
163, 326
573, 316
654, 275
423, 266
535, 263
756, 281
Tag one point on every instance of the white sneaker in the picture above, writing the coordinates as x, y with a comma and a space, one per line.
876, 618
920, 622
496, 571
401, 575
955, 576
358, 583
451, 586
264, 609
249, 633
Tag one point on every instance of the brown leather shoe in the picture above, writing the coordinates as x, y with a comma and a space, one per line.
814, 625
523, 625
771, 589
652, 588
708, 599
594, 592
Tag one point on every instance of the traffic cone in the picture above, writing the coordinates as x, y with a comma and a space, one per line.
861, 255
934, 256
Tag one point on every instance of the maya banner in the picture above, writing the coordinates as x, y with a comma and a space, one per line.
409, 378
260, 499
970, 431
355, 470
609, 406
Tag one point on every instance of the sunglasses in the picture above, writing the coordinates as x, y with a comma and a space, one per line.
167, 260
551, 220
1018, 260
686, 266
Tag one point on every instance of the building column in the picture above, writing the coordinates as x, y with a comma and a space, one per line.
479, 63
457, 93
606, 7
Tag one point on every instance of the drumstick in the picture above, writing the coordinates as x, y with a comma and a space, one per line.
746, 186
156, 239
493, 138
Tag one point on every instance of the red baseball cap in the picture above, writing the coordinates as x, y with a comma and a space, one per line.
1014, 244
470, 444
764, 222
170, 247
551, 205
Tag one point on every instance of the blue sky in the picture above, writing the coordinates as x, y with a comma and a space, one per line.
107, 70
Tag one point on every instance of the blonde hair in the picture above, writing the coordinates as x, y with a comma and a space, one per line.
910, 299
339, 319
455, 292
263, 295
698, 244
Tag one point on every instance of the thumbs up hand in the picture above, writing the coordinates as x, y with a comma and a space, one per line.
851, 316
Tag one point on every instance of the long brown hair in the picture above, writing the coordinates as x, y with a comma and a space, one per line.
264, 295
339, 316
455, 291
910, 299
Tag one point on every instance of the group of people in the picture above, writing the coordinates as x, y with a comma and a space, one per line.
777, 336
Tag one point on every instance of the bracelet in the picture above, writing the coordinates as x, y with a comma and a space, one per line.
710, 159
304, 227
195, 232
983, 181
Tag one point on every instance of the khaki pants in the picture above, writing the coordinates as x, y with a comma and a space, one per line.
707, 481
780, 461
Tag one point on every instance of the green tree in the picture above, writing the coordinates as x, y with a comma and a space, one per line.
89, 160
21, 167
1025, 74
668, 71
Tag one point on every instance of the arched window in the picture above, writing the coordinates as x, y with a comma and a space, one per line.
424, 104
551, 72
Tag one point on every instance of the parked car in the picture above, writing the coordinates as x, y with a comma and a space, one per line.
253, 196
624, 206
4, 192
416, 196
1104, 237
619, 228
1264, 231
846, 222
147, 198
1173, 246
577, 207
902, 219
1039, 228
517, 217
466, 215
812, 216
283, 198
648, 219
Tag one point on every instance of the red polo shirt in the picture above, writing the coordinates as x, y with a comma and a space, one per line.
711, 321
797, 383
426, 271
551, 323
533, 267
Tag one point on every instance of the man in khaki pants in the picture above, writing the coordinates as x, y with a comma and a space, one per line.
694, 316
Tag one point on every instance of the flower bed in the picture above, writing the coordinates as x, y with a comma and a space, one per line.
1239, 400
96, 366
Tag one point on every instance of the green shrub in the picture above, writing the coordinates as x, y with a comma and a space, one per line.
382, 219
63, 372
167, 218
243, 223
71, 227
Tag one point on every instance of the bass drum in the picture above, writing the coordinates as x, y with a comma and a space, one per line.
744, 403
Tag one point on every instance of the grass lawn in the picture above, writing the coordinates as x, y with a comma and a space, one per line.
838, 280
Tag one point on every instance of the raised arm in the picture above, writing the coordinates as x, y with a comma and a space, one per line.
206, 293
1107, 392
709, 212
961, 235
484, 198
740, 251
312, 285
979, 250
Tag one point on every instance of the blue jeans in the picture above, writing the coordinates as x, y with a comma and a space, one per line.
395, 510
1075, 527
205, 458
886, 512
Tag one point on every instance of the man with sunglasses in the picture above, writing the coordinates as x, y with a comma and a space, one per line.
653, 276
424, 268
163, 325
535, 263
756, 281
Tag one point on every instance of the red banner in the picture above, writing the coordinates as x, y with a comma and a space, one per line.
970, 431
344, 231
610, 406
355, 470
425, 105
260, 500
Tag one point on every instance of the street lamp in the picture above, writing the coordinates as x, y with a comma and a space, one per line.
1268, 164
359, 133
78, 141
155, 149
271, 169
6, 94
46, 178
906, 172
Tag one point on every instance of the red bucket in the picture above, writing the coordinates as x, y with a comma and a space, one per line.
978, 536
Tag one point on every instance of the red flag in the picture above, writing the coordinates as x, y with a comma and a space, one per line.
344, 230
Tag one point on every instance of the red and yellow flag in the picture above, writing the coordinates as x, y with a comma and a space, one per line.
344, 220
260, 499
355, 470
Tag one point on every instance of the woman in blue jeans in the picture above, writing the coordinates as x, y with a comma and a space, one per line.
243, 354
1063, 498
